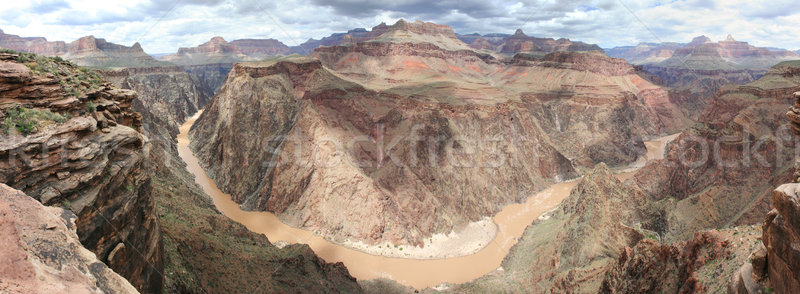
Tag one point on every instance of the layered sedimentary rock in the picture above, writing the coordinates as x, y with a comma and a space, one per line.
700, 68
519, 42
645, 53
217, 50
213, 75
42, 254
653, 267
722, 170
420, 139
204, 251
703, 54
71, 140
86, 51
350, 37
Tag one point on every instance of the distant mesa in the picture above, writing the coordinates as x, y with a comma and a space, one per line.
520, 42
703, 53
86, 51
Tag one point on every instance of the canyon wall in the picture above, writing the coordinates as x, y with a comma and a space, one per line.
233, 258
422, 138
722, 171
72, 140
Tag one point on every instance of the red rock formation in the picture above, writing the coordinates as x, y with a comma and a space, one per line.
217, 50
519, 42
86, 51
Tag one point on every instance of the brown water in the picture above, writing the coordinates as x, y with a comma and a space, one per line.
418, 273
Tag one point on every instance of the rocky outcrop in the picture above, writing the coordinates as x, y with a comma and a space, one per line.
701, 68
781, 236
775, 264
294, 101
41, 252
653, 267
219, 51
644, 53
703, 54
335, 39
204, 251
216, 50
72, 140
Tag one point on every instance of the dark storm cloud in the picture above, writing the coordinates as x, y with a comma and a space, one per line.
361, 8
164, 25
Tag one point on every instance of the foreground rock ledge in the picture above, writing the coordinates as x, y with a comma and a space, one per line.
42, 254
782, 239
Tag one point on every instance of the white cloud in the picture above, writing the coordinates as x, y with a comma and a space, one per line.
164, 25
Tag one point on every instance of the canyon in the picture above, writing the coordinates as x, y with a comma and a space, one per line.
449, 95
405, 158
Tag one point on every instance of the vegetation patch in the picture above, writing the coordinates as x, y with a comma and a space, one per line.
28, 120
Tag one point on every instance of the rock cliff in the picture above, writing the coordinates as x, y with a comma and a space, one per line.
86, 51
398, 136
700, 68
722, 170
519, 42
41, 252
72, 140
781, 237
204, 251
168, 93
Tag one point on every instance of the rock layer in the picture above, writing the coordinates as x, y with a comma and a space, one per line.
90, 158
409, 138
86, 51
722, 170
41, 252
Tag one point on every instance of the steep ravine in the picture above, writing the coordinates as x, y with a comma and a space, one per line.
204, 251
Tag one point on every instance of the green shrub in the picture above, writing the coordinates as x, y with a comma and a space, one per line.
8, 50
23, 58
26, 120
90, 107
67, 204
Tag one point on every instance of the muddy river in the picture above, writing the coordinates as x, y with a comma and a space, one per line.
418, 273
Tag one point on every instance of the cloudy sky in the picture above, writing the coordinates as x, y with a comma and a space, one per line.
161, 26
